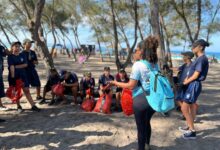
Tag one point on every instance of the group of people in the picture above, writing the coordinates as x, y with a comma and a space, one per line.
22, 65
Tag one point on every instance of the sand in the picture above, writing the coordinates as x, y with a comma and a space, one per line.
68, 127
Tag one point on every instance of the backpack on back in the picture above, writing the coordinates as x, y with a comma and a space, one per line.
161, 97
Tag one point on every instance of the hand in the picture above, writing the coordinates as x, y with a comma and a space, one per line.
112, 82
180, 85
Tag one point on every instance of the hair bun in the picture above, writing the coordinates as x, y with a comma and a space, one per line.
207, 44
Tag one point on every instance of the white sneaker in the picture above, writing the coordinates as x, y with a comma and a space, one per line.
3, 108
184, 129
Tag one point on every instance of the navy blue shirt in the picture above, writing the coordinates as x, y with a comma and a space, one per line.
2, 54
86, 84
17, 60
201, 64
71, 79
30, 57
53, 80
184, 72
103, 80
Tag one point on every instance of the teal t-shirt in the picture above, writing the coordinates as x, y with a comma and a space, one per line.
141, 73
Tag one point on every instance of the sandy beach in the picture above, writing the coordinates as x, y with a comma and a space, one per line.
68, 127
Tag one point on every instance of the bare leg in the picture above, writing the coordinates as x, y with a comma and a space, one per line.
38, 91
187, 114
75, 92
28, 96
118, 99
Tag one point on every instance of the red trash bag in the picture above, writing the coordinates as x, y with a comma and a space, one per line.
58, 89
103, 105
15, 92
88, 105
127, 102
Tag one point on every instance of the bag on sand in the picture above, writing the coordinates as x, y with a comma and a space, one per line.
161, 97
103, 105
88, 105
14, 93
58, 89
127, 102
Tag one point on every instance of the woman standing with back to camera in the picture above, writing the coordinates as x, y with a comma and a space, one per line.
140, 74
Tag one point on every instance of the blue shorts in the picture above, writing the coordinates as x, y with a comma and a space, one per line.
33, 77
180, 93
192, 92
2, 92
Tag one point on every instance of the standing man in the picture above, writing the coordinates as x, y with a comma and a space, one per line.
3, 53
31, 56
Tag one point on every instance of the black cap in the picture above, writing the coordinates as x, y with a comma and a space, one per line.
188, 54
15, 43
200, 42
107, 69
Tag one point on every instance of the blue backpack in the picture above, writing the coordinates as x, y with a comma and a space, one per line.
161, 97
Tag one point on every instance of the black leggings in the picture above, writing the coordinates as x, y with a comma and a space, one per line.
143, 113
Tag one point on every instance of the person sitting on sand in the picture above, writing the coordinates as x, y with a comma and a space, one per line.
120, 77
197, 73
87, 83
52, 80
143, 112
103, 82
71, 85
17, 65
3, 53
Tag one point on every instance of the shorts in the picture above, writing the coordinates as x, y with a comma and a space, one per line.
48, 87
192, 92
2, 92
180, 93
19, 74
33, 77
119, 90
68, 90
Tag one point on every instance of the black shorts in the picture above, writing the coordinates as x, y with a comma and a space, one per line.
119, 90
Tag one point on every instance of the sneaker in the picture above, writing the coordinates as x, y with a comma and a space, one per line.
35, 108
2, 120
52, 102
2, 108
39, 97
19, 109
190, 135
184, 129
43, 101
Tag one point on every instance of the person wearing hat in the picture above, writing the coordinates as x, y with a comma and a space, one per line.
87, 83
197, 73
3, 53
17, 64
104, 79
31, 57
53, 79
120, 77
71, 85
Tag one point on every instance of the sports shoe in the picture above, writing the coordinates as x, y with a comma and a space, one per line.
19, 109
35, 108
190, 135
43, 101
184, 129
39, 97
3, 108
52, 102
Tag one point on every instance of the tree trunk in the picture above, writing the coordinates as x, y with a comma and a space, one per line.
100, 49
156, 31
37, 34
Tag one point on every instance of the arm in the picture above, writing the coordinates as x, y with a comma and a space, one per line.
71, 85
21, 66
130, 85
12, 71
192, 78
